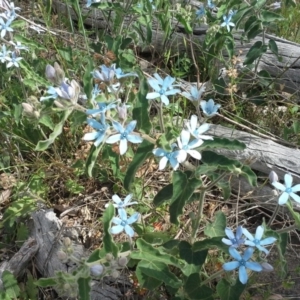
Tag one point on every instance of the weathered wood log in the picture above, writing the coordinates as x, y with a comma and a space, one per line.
264, 154
48, 232
286, 73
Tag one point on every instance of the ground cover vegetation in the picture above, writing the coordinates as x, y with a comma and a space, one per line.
80, 113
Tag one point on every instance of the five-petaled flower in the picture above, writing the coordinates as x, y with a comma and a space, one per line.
107, 74
171, 156
242, 262
287, 189
13, 60
123, 223
98, 135
200, 12
162, 88
227, 21
209, 107
195, 94
103, 107
4, 27
4, 54
119, 204
186, 147
234, 240
198, 132
124, 136
257, 241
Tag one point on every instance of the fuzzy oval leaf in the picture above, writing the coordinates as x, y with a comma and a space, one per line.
165, 194
196, 291
217, 227
226, 291
84, 288
222, 143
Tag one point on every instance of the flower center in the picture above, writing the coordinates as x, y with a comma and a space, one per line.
234, 241
162, 91
124, 135
123, 223
242, 262
288, 190
256, 241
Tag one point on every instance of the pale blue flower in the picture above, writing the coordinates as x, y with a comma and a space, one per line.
4, 55
98, 135
186, 147
4, 27
11, 13
197, 132
167, 156
195, 94
234, 240
13, 60
162, 88
287, 189
123, 223
227, 21
209, 107
273, 177
210, 4
90, 2
124, 135
120, 74
119, 204
18, 46
69, 91
103, 107
52, 92
107, 74
257, 241
242, 262
200, 12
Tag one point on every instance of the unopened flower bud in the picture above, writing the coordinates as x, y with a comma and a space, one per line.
122, 110
122, 261
266, 267
109, 256
115, 274
67, 242
59, 74
273, 177
96, 270
50, 73
62, 255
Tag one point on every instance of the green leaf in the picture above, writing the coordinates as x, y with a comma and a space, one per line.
210, 243
217, 228
270, 16
43, 145
143, 152
222, 143
195, 291
156, 238
226, 291
91, 160
163, 195
148, 253
84, 288
185, 23
160, 272
88, 78
255, 52
109, 245
146, 281
223, 163
273, 47
187, 253
254, 31
140, 111
10, 285
94, 256
45, 282
47, 121
183, 188
29, 42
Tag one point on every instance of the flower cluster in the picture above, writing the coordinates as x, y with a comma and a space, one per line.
243, 262
123, 223
184, 145
10, 56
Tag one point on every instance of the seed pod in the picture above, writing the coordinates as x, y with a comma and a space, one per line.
96, 270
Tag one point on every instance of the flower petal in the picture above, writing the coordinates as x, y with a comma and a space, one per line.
231, 265
181, 156
239, 232
185, 137
130, 127
268, 241
195, 154
159, 152
118, 127
116, 229
248, 234
254, 266
116, 199
129, 231
90, 136
248, 253
123, 214
123, 146
229, 233
153, 95
288, 180
284, 197
243, 276
295, 197
235, 254
154, 84
133, 218
279, 186
116, 221
259, 232
113, 138
227, 242
135, 139
127, 199
162, 163
164, 99
296, 188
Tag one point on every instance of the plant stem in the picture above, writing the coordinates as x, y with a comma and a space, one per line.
274, 215
287, 229
215, 181
199, 216
161, 119
212, 277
